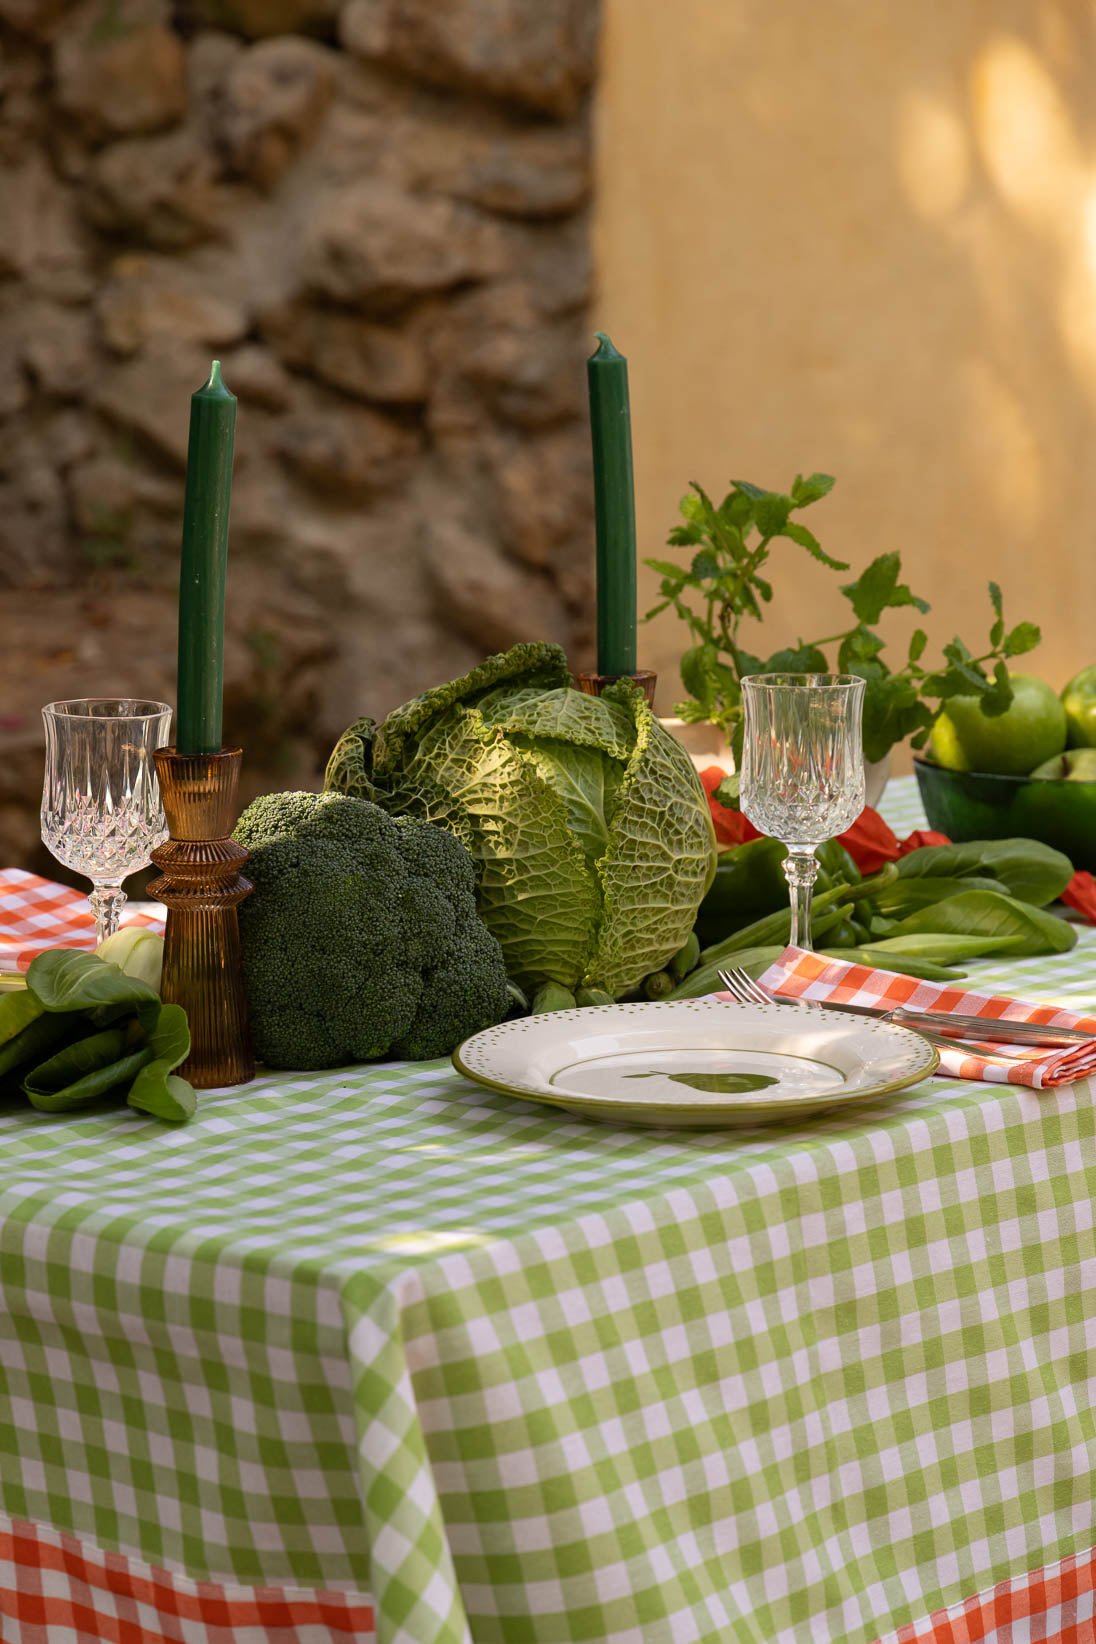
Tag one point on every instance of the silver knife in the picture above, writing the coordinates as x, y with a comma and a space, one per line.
948, 1025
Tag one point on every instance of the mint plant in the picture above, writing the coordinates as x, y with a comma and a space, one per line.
723, 588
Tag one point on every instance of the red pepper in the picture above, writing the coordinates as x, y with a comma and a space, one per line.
870, 842
731, 827
1080, 895
922, 836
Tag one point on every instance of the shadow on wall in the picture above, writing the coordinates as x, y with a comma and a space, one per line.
877, 259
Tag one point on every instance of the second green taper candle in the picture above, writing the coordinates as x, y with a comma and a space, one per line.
614, 508
202, 568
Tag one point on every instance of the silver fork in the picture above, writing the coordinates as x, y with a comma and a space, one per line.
745, 990
741, 985
942, 1027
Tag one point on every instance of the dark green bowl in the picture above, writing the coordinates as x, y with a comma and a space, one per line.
975, 805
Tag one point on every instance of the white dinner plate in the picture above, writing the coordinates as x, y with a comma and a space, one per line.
696, 1063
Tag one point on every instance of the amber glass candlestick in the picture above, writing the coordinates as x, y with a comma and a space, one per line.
594, 684
201, 886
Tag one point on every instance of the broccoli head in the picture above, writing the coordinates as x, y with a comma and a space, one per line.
361, 938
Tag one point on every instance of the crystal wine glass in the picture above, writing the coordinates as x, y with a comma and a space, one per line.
802, 776
101, 809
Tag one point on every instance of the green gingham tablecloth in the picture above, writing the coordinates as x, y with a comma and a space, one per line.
530, 1379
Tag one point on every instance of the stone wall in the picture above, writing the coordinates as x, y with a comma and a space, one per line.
374, 213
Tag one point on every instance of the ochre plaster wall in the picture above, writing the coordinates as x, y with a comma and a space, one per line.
861, 237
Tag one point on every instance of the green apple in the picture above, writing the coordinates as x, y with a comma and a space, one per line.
1032, 730
1075, 765
1079, 702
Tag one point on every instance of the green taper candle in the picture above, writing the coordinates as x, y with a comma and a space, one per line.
202, 568
614, 509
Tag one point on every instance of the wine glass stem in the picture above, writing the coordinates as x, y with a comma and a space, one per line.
107, 902
801, 871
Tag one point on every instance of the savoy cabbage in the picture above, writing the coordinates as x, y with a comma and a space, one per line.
589, 830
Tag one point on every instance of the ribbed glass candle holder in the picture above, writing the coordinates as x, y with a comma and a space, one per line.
201, 886
593, 684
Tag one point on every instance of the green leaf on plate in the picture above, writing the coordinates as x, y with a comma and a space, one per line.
720, 1084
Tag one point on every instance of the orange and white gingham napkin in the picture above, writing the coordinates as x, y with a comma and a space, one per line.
36, 914
798, 974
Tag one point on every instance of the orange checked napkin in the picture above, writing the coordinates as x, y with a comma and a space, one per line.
36, 914
798, 974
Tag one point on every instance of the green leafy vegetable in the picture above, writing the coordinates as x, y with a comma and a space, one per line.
906, 895
41, 1036
156, 1089
1028, 930
137, 952
940, 948
590, 832
1024, 868
905, 964
83, 1029
17, 1011
64, 979
84, 1071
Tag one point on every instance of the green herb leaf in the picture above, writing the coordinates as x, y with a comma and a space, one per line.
737, 509
1024, 637
918, 640
859, 645
672, 573
696, 672
892, 711
798, 659
997, 632
705, 565
752, 491
806, 491
806, 539
877, 589
771, 513
998, 699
